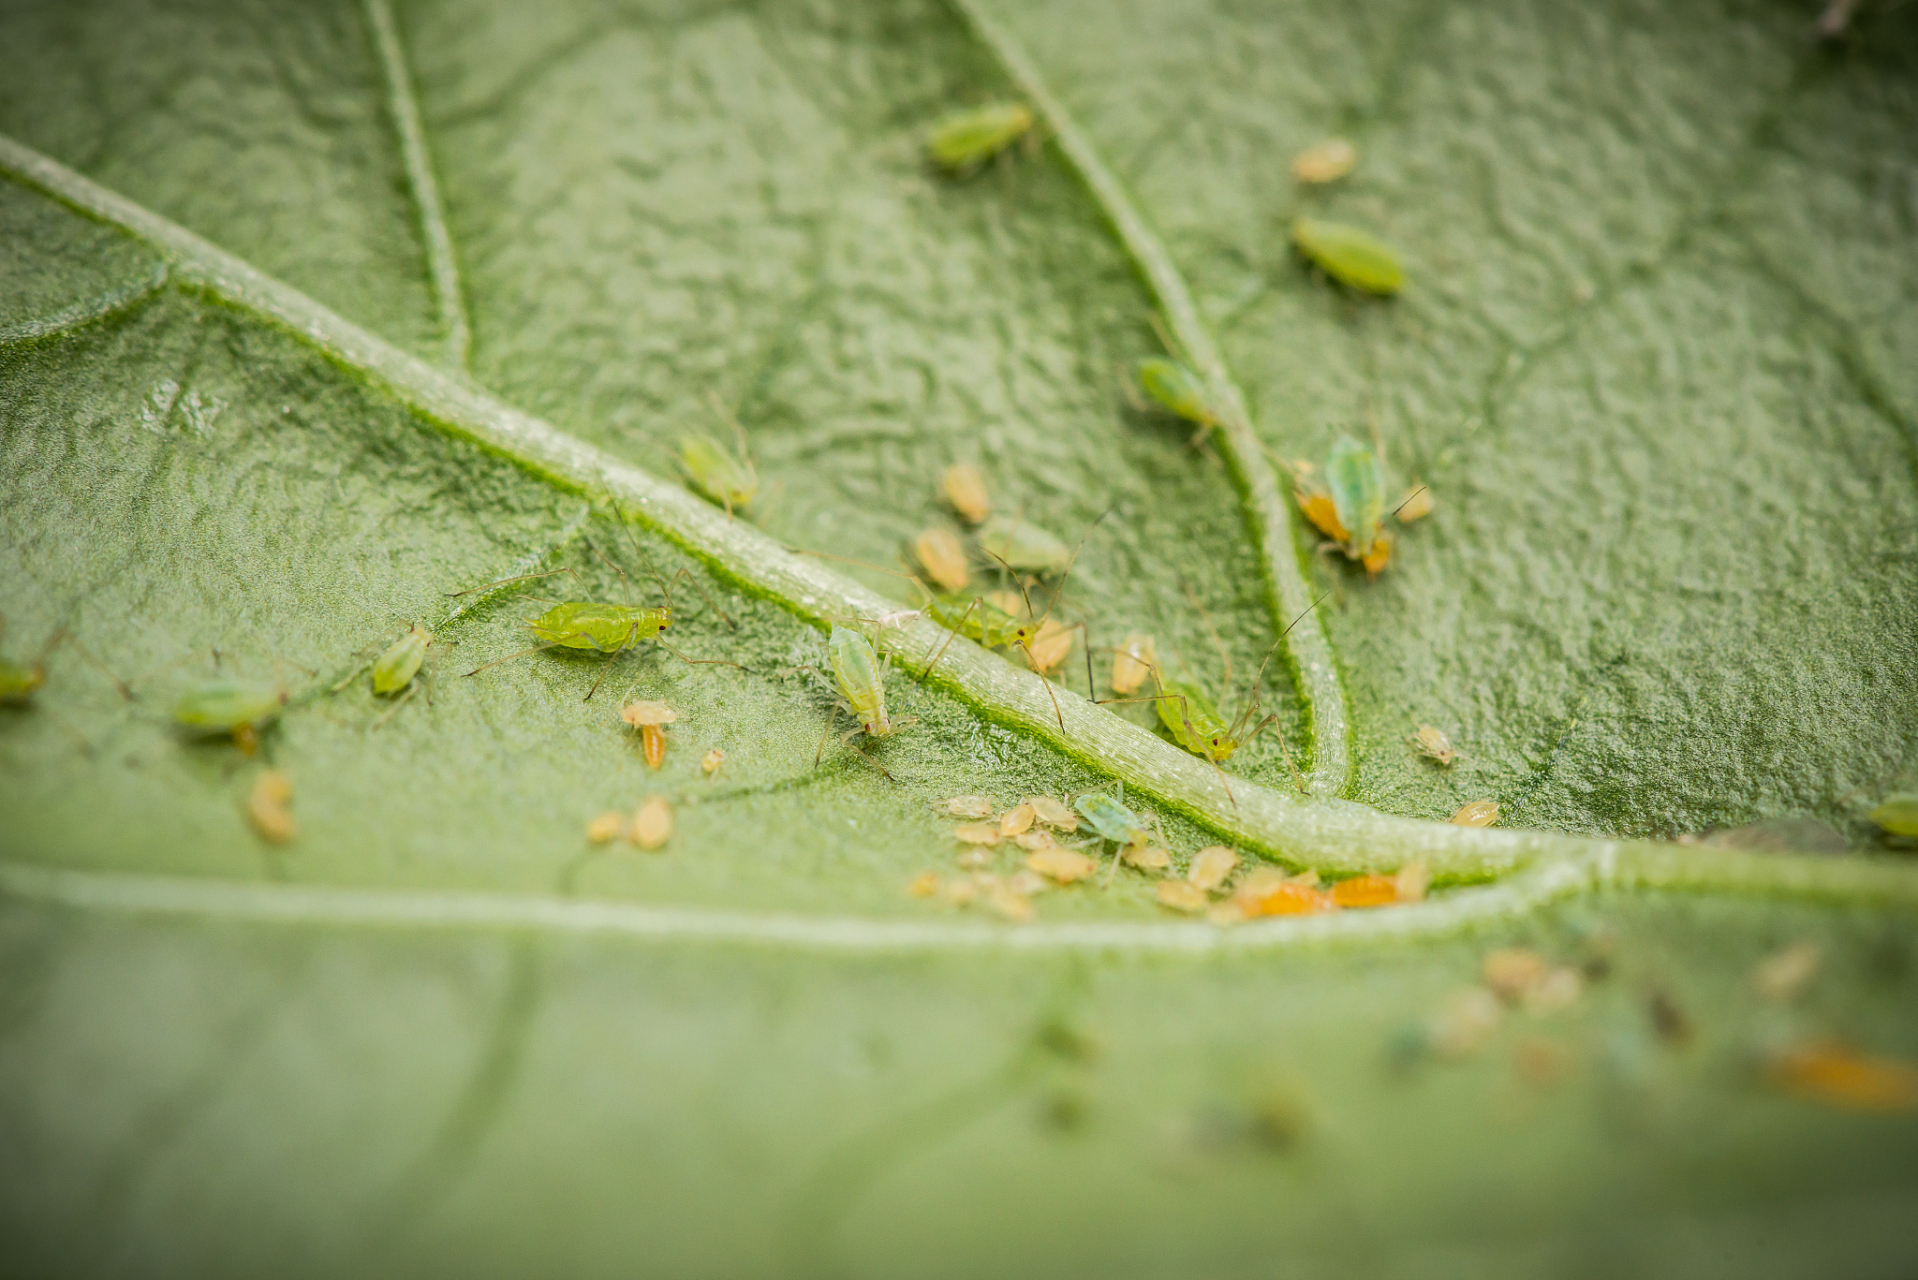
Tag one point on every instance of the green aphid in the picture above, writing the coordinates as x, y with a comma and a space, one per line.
965, 140
1898, 814
19, 680
1179, 390
1110, 819
237, 707
1357, 484
726, 478
1192, 718
856, 671
975, 617
396, 668
1353, 257
1024, 547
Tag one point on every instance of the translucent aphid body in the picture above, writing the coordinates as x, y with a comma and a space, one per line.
266, 807
855, 669
1355, 258
1132, 662
1434, 745
1179, 390
723, 476
395, 669
236, 707
1479, 813
944, 559
964, 141
1110, 819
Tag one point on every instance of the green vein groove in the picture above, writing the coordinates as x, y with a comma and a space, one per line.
441, 267
1271, 517
1328, 834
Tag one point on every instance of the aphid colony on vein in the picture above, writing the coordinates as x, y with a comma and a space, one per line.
1210, 884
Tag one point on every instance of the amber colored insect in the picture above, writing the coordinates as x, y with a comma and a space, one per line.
1182, 895
1326, 161
981, 833
1479, 813
1017, 820
965, 489
1134, 660
1052, 813
1061, 864
1287, 898
1146, 857
1434, 745
1210, 867
1842, 1076
606, 827
1416, 504
969, 807
652, 823
1366, 891
649, 718
710, 762
943, 558
923, 885
266, 807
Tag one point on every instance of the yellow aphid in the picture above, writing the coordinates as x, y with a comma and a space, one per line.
1512, 971
1781, 975
607, 826
1181, 895
1035, 840
958, 891
1016, 820
710, 762
1049, 647
985, 833
1842, 1076
1210, 866
1434, 745
1479, 813
652, 823
923, 885
1063, 865
1326, 161
266, 807
970, 807
1146, 857
1416, 505
1413, 879
1133, 663
965, 489
943, 558
1052, 813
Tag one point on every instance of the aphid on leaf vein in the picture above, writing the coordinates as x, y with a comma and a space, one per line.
1180, 391
1355, 258
610, 629
235, 707
726, 478
649, 718
963, 142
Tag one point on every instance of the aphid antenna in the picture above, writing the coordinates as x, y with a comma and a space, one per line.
399, 702
1025, 641
1408, 500
727, 416
1225, 658
665, 585
524, 577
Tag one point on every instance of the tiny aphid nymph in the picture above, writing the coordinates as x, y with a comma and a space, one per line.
1479, 813
266, 807
235, 707
649, 718
943, 558
394, 670
1326, 161
716, 471
965, 141
1434, 745
1178, 390
965, 489
1353, 257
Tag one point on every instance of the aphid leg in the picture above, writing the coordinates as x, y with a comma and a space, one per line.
397, 704
665, 584
950, 637
631, 637
66, 637
538, 648
1285, 749
701, 662
524, 577
1225, 658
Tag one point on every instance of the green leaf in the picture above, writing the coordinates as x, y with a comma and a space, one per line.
369, 307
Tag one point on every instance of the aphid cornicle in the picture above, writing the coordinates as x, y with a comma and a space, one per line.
236, 707
610, 629
964, 141
1355, 258
394, 670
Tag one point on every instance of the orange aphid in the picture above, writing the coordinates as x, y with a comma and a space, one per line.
1287, 898
1840, 1075
647, 717
1381, 552
943, 557
1324, 516
1366, 891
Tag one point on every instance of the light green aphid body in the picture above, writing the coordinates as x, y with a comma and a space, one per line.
976, 618
604, 628
18, 680
1024, 546
965, 140
1357, 484
715, 471
396, 667
855, 669
223, 706
1898, 814
1178, 389
1194, 722
1353, 257
1110, 819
